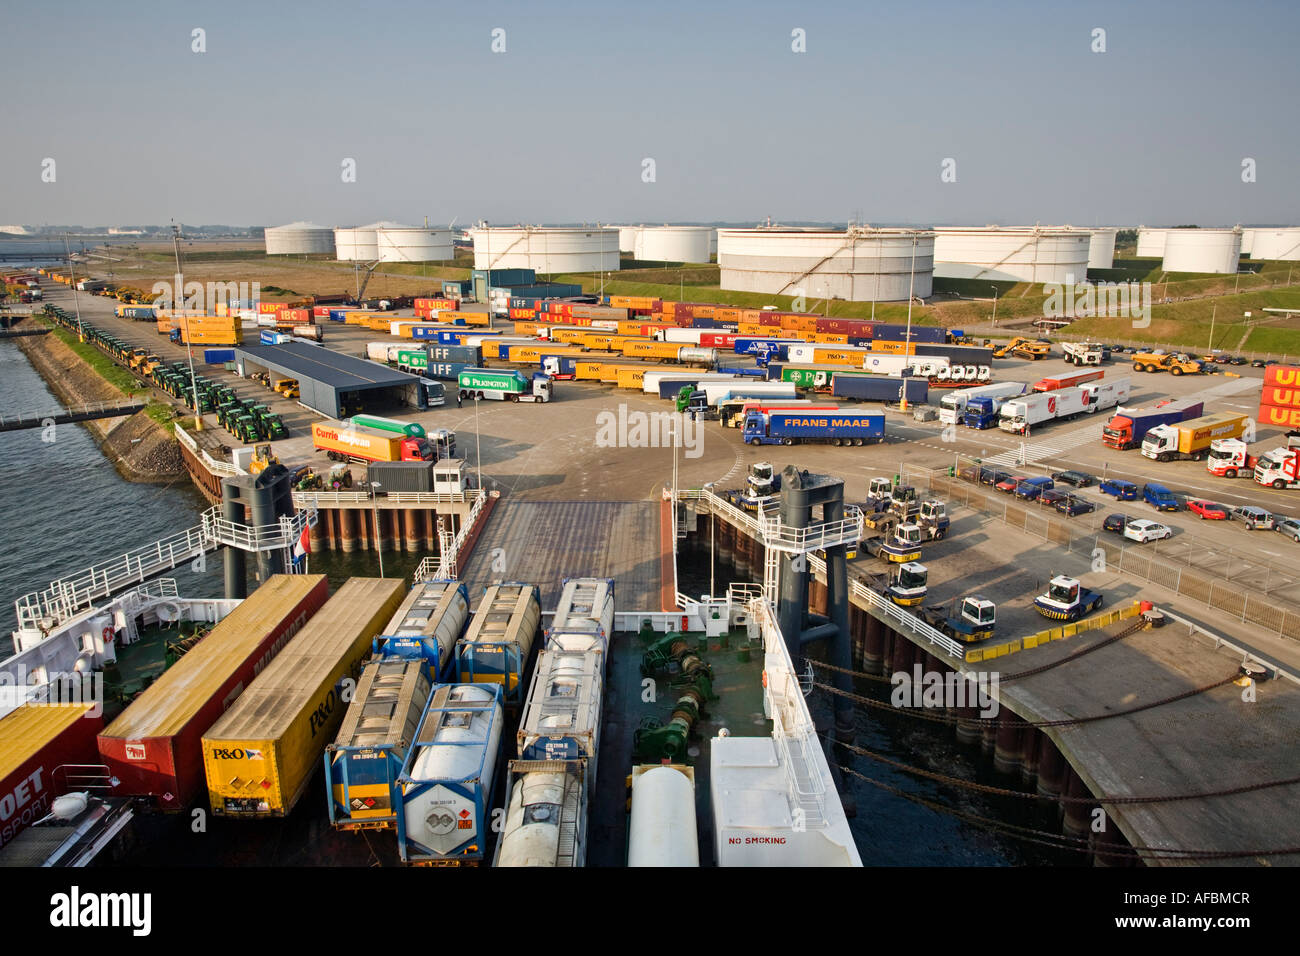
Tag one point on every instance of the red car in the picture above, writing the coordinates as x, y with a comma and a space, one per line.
1208, 509
1010, 484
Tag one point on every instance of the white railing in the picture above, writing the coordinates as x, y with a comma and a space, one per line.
443, 567
223, 469
302, 499
432, 497
257, 538
319, 499
825, 534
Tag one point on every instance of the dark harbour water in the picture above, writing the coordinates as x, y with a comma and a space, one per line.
64, 507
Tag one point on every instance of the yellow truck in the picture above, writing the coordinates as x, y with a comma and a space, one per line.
1022, 347
1173, 363
259, 757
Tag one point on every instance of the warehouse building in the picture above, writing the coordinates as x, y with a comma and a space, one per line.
332, 383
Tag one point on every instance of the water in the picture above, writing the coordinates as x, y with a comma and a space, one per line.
64, 507
891, 830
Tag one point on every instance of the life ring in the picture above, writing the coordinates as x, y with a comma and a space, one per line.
107, 635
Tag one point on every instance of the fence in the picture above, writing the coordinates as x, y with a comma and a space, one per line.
1229, 584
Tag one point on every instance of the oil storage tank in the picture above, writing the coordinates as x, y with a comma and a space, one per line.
1012, 253
259, 756
413, 244
627, 238
1283, 243
1151, 243
672, 243
446, 785
359, 243
1101, 248
497, 646
299, 239
858, 264
546, 250
154, 746
1202, 250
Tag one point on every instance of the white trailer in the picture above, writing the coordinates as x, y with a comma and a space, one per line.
1102, 395
952, 407
1020, 414
382, 351
715, 392
682, 336
650, 381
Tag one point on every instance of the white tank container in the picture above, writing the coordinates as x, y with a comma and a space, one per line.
433, 609
538, 804
662, 828
858, 265
1281, 244
1202, 250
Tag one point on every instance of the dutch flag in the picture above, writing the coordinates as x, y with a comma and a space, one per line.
302, 547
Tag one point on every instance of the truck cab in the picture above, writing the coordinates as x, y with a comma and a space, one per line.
909, 586
1230, 457
1279, 468
1066, 599
933, 518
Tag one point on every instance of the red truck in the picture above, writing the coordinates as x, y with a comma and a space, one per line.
1066, 381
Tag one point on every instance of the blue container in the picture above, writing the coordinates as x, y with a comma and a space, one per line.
446, 371
469, 354
452, 337
338, 315
270, 337
218, 356
451, 288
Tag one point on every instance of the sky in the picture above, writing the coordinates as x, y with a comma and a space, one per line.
960, 113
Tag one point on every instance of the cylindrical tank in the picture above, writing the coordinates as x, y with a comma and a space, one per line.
1101, 249
299, 238
703, 356
360, 243
537, 805
546, 251
671, 243
1151, 243
627, 238
1276, 244
434, 615
1202, 250
1248, 242
414, 244
662, 828
1012, 254
858, 265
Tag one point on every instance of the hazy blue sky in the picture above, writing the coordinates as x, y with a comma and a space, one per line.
254, 130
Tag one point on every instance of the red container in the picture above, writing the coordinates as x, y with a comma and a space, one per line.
1287, 376
1281, 416
717, 340
270, 308
154, 747
298, 316
321, 311
770, 319
34, 742
523, 313
1282, 396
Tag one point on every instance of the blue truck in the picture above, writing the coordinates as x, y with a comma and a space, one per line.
558, 365
983, 411
879, 388
796, 428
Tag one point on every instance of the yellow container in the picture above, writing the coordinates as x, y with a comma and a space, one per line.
260, 756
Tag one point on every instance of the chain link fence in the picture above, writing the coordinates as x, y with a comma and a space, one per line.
1226, 579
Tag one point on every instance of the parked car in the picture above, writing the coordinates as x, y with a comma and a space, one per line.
1031, 488
1080, 479
1288, 526
1051, 496
1009, 483
1144, 530
1208, 509
1259, 363
1121, 489
1159, 497
992, 476
1115, 523
1254, 518
1073, 505
1116, 348
1239, 360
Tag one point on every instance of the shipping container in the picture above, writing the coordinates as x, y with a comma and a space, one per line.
1129, 426
218, 356
880, 388
154, 747
498, 644
561, 716
446, 785
546, 814
259, 757
584, 616
363, 763
35, 740
432, 616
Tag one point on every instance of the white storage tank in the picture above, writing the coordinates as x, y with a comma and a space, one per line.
299, 239
414, 244
547, 251
662, 831
1248, 242
1012, 253
713, 243
1202, 250
1151, 243
627, 238
1101, 249
1281, 243
857, 265
672, 243
360, 243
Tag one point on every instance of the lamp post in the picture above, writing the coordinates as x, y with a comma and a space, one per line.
379, 535
189, 347
72, 278
907, 339
995, 304
478, 445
